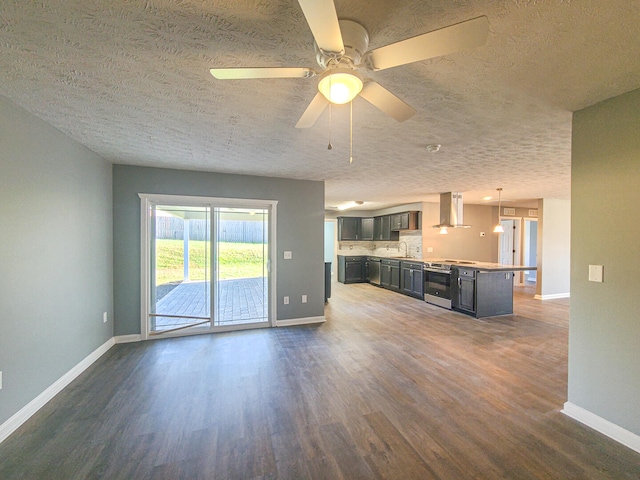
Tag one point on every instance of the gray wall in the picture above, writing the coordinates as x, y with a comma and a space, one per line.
300, 228
554, 248
604, 329
56, 255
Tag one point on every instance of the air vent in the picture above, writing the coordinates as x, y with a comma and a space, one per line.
533, 213
509, 211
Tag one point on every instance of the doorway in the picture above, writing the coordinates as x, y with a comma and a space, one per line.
530, 250
206, 265
518, 246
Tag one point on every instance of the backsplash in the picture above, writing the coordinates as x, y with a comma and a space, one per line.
413, 240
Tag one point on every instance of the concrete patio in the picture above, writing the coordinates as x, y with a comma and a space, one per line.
239, 301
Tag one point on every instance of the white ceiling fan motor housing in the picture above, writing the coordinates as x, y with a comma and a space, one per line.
356, 42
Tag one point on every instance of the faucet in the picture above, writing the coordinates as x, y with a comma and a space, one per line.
406, 248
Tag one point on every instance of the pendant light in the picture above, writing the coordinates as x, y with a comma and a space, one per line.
498, 228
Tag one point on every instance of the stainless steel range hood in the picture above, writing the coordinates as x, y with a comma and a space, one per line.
451, 211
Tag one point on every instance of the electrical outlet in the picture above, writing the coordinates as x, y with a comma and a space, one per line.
304, 299
288, 255
286, 300
104, 317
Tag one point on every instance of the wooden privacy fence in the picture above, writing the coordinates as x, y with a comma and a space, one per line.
236, 231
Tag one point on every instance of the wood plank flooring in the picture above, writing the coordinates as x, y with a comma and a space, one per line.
389, 387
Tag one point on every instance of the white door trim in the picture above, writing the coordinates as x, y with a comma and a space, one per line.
147, 199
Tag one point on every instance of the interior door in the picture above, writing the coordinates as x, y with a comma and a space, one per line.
507, 242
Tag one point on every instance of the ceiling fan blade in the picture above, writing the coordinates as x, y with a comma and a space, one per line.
380, 97
455, 38
261, 72
323, 21
313, 111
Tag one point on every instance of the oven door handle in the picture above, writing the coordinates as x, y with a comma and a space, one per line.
446, 272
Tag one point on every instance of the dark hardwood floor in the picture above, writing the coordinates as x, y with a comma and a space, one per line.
390, 387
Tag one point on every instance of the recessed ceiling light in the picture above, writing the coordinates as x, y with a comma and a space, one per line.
486, 199
347, 205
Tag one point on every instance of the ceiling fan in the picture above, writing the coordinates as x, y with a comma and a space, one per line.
341, 48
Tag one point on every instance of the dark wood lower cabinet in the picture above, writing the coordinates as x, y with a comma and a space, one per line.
464, 291
351, 269
390, 274
412, 279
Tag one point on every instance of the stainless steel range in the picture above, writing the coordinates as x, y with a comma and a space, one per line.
437, 284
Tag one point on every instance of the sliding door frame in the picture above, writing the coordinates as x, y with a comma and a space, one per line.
146, 200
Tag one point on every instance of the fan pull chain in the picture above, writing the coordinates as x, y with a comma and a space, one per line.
351, 131
329, 147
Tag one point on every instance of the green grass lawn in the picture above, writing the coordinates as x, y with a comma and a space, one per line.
236, 260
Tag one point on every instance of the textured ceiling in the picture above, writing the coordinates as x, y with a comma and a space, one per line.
130, 80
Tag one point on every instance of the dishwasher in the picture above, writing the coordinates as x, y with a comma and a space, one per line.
373, 270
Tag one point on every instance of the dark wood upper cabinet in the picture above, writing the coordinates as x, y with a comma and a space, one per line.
349, 228
404, 221
367, 228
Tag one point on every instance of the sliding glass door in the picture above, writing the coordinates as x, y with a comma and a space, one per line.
195, 285
180, 267
241, 265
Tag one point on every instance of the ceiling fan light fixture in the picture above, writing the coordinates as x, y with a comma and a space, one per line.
340, 85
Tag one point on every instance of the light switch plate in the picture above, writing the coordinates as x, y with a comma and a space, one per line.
288, 255
596, 273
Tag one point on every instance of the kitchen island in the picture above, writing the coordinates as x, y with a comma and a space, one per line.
481, 289
478, 289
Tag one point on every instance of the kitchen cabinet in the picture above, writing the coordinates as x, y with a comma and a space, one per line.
464, 290
483, 293
382, 229
367, 226
412, 279
351, 269
349, 228
404, 221
390, 274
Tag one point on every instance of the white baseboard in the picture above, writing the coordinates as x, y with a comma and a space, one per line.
128, 338
300, 321
611, 430
22, 415
553, 296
